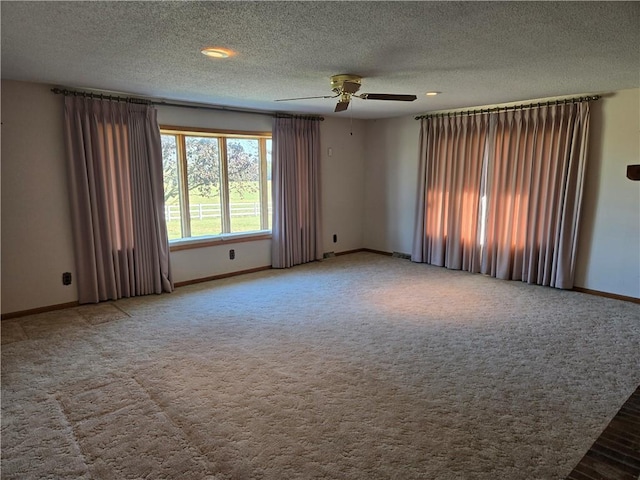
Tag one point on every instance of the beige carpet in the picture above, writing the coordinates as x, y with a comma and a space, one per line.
358, 367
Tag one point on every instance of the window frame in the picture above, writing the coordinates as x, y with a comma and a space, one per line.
187, 241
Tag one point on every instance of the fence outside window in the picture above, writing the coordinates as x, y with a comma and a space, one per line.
200, 211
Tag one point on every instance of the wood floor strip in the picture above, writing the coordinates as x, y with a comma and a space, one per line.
615, 455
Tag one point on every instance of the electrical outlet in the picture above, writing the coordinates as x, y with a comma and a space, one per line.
232, 254
66, 278
335, 238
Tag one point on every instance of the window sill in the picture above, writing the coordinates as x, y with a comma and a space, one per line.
201, 242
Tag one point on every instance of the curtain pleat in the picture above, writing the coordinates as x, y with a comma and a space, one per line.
501, 193
150, 228
296, 232
115, 176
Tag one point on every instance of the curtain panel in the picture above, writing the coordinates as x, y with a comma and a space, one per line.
296, 231
500, 193
535, 177
451, 165
116, 195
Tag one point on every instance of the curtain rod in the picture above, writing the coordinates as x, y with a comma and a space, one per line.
523, 106
148, 101
301, 116
101, 96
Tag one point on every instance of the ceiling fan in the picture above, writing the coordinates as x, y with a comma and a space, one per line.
345, 86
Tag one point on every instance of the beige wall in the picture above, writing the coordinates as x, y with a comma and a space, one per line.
342, 183
391, 163
36, 225
609, 241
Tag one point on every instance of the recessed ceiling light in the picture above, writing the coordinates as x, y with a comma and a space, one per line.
217, 52
432, 94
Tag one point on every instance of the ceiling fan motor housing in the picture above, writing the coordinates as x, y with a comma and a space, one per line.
337, 82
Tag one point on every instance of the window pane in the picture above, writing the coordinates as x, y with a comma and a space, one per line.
268, 186
171, 186
243, 165
203, 178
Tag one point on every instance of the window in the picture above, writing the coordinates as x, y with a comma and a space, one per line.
216, 183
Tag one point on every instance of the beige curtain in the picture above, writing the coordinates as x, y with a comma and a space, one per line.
451, 164
116, 196
535, 177
500, 193
296, 232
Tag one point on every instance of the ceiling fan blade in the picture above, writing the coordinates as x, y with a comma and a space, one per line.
350, 87
341, 106
387, 96
305, 98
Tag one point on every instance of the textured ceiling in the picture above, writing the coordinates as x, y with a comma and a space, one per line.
475, 53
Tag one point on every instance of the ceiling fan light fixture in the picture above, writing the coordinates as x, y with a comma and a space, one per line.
217, 52
432, 94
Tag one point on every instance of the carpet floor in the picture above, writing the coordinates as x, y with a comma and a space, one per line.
358, 367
